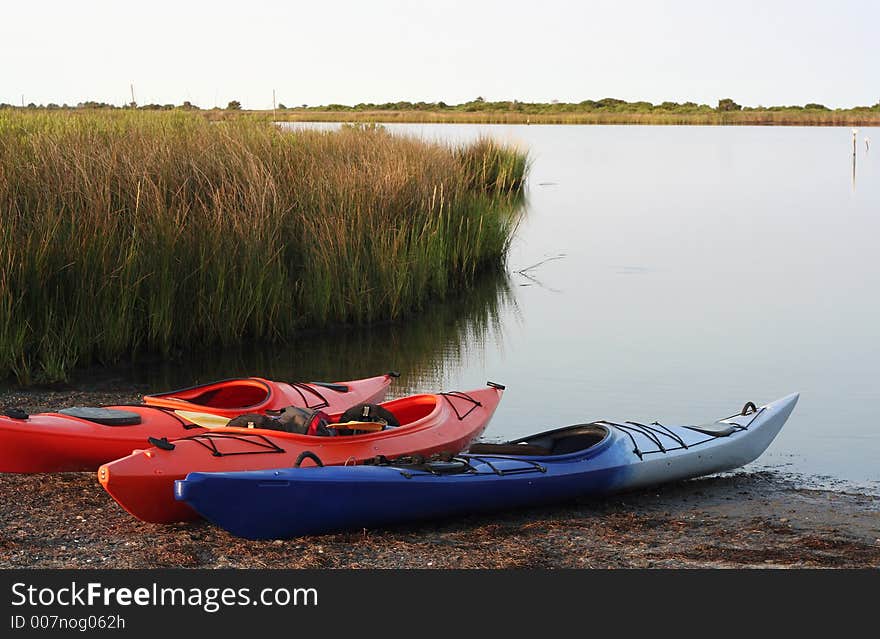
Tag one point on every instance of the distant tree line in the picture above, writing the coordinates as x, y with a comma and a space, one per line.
608, 105
612, 105
91, 104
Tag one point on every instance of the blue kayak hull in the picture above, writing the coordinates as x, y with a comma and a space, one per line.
293, 502
306, 501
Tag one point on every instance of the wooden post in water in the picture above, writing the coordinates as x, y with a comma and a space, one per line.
854, 132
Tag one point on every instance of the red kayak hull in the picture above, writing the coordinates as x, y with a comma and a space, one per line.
53, 442
232, 397
143, 482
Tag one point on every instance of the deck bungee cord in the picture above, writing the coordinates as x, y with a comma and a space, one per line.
459, 395
654, 434
300, 387
442, 464
262, 443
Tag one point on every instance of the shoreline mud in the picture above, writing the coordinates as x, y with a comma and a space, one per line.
740, 520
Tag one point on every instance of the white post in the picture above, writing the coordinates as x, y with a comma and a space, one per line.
854, 132
273, 105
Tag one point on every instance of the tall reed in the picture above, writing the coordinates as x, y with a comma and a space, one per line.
129, 232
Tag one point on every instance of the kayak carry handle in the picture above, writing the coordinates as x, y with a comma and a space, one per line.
162, 443
496, 385
746, 411
307, 454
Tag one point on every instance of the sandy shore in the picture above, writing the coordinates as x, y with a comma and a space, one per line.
743, 520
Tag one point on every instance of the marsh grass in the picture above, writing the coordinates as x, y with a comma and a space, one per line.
130, 232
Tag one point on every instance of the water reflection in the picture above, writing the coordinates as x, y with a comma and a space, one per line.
854, 153
854, 171
429, 349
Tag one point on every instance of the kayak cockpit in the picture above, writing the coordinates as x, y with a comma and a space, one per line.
227, 394
397, 413
562, 441
408, 410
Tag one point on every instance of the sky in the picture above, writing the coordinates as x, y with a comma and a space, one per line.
758, 53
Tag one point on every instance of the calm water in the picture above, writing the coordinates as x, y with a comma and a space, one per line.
690, 269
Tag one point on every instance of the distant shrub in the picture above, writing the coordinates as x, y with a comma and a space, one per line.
726, 104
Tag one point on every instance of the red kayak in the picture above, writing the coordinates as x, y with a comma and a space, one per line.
143, 482
83, 438
232, 397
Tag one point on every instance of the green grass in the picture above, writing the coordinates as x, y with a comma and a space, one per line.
126, 232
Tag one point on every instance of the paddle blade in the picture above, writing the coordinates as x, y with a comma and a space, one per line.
205, 420
365, 426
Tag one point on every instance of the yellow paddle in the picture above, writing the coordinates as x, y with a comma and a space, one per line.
207, 420
368, 426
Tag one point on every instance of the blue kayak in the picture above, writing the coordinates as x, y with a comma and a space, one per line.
592, 459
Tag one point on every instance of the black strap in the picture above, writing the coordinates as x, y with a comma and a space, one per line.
307, 454
339, 388
260, 443
464, 396
302, 389
445, 463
